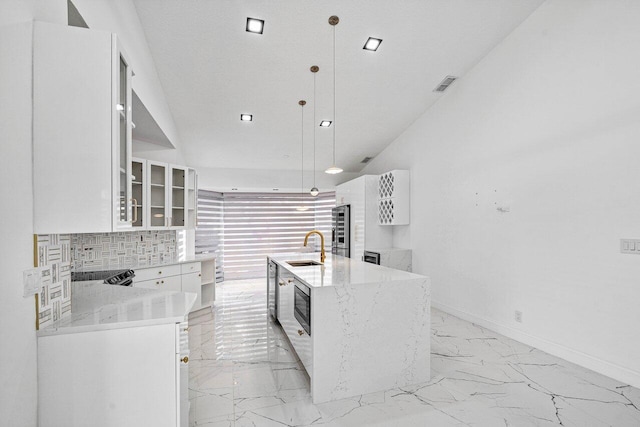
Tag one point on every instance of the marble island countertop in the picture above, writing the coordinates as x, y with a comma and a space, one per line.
96, 306
126, 265
338, 271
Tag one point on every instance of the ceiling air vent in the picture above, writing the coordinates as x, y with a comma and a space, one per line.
444, 84
366, 160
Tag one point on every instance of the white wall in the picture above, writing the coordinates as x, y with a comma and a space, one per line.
548, 124
266, 180
18, 369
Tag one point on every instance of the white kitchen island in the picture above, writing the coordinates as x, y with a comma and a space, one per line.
118, 360
370, 325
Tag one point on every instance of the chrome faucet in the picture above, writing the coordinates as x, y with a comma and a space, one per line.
322, 253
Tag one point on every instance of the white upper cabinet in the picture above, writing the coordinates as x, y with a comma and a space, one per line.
163, 195
81, 131
393, 198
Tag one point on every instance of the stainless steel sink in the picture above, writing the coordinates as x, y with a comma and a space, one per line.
303, 263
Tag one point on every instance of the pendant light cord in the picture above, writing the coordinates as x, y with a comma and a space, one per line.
334, 95
302, 153
314, 130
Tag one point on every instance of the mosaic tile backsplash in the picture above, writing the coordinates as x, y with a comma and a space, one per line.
101, 251
53, 253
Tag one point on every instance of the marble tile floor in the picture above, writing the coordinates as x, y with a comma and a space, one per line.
243, 372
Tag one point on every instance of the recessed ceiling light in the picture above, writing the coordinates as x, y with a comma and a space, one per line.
246, 117
325, 124
255, 25
372, 44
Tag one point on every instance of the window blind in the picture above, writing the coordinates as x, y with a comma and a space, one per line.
209, 232
258, 224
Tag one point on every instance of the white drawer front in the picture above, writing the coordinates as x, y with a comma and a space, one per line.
143, 274
190, 267
173, 283
301, 342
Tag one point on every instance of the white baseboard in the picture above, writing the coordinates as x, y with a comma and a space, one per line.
620, 373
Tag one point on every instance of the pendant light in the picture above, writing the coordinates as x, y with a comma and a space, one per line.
302, 206
333, 21
314, 190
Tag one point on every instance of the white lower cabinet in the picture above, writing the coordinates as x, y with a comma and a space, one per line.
300, 340
192, 281
178, 277
126, 377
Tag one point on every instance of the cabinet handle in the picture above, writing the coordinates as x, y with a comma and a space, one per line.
289, 280
300, 332
199, 275
162, 281
281, 283
185, 359
157, 283
159, 272
135, 210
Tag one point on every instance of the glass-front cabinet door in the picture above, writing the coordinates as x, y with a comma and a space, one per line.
192, 198
139, 191
178, 178
121, 134
157, 174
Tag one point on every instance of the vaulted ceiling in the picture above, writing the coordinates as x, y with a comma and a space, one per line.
212, 70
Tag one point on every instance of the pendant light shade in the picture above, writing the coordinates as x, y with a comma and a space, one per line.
334, 169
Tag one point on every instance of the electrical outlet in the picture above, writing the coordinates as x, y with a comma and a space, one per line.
518, 316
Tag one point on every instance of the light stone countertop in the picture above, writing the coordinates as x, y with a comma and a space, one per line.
96, 306
340, 271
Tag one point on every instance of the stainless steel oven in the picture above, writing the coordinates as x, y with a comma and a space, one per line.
340, 236
302, 305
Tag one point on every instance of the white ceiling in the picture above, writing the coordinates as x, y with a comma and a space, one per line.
212, 70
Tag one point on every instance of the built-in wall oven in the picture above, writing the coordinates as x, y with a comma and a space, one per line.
340, 235
302, 305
